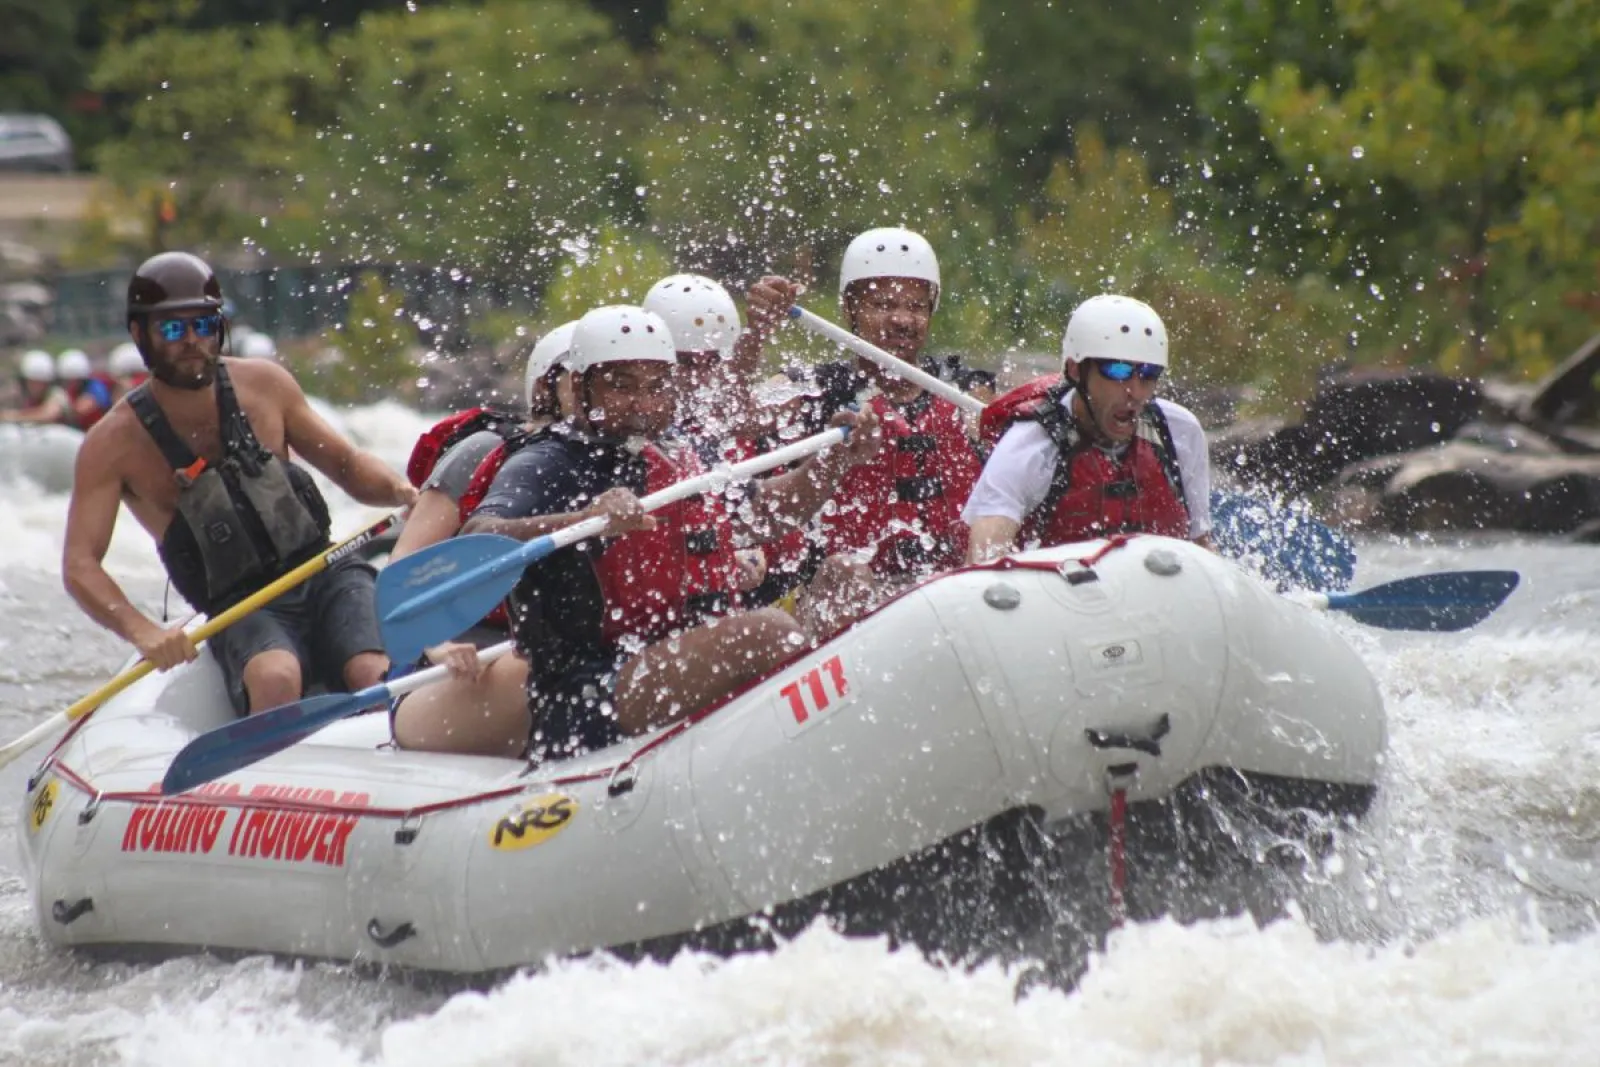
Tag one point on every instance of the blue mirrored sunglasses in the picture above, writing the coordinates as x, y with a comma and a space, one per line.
204, 326
1120, 370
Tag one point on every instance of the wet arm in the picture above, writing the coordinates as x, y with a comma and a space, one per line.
992, 537
787, 501
433, 518
91, 518
51, 411
365, 477
523, 529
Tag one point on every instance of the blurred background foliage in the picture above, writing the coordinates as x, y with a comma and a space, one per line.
1293, 182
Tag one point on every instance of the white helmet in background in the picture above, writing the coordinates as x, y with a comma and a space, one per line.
125, 361
699, 313
73, 365
890, 252
37, 366
1115, 328
552, 349
620, 333
258, 346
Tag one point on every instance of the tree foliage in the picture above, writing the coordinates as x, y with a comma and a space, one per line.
1287, 179
213, 117
801, 128
1104, 225
1487, 137
477, 137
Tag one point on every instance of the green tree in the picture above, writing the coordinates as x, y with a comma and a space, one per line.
785, 131
617, 266
212, 117
374, 344
1104, 225
477, 137
1494, 126
1049, 66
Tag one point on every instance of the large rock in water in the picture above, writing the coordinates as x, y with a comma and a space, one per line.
1474, 485
1355, 416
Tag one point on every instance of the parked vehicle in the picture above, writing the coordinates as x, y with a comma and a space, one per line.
35, 143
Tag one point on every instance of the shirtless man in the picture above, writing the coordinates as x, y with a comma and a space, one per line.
200, 454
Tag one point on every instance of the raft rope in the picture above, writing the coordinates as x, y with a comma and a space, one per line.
1117, 853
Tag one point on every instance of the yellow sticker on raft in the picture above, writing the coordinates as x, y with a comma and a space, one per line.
44, 801
536, 821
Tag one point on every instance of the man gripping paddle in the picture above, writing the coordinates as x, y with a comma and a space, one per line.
627, 633
200, 455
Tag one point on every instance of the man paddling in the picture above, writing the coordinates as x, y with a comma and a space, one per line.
901, 511
200, 455
620, 635
1094, 453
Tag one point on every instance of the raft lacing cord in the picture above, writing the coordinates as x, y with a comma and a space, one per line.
1114, 542
1117, 845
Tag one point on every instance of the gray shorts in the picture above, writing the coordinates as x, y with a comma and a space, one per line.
325, 622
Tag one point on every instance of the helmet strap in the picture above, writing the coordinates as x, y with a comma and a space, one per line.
1081, 387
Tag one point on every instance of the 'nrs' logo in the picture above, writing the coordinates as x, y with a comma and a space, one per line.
537, 820
44, 801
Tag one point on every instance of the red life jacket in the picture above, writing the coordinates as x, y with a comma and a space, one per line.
450, 431
655, 581
1093, 494
907, 501
652, 581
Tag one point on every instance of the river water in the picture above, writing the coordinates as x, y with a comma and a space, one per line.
1457, 926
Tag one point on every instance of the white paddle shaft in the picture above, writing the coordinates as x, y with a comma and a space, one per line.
711, 479
898, 367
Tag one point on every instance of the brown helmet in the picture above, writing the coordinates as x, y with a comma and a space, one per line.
173, 281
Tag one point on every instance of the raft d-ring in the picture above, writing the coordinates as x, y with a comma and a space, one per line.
67, 914
408, 830
623, 779
404, 932
90, 810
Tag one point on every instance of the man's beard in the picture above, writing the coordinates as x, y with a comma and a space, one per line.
164, 369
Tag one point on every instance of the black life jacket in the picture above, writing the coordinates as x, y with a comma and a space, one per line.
241, 522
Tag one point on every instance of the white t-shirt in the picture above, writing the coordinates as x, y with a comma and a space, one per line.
1017, 477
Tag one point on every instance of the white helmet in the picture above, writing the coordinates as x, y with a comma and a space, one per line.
699, 313
553, 348
620, 333
125, 361
73, 364
890, 252
1115, 327
258, 346
37, 366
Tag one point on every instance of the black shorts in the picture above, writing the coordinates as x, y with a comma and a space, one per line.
326, 621
575, 712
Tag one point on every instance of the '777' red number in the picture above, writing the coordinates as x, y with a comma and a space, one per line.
809, 693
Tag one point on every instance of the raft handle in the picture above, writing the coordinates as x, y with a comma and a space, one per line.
1149, 741
90, 810
403, 932
623, 779
407, 833
66, 914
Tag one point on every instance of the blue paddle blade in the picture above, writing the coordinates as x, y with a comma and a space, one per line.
238, 744
444, 590
1442, 603
1283, 542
